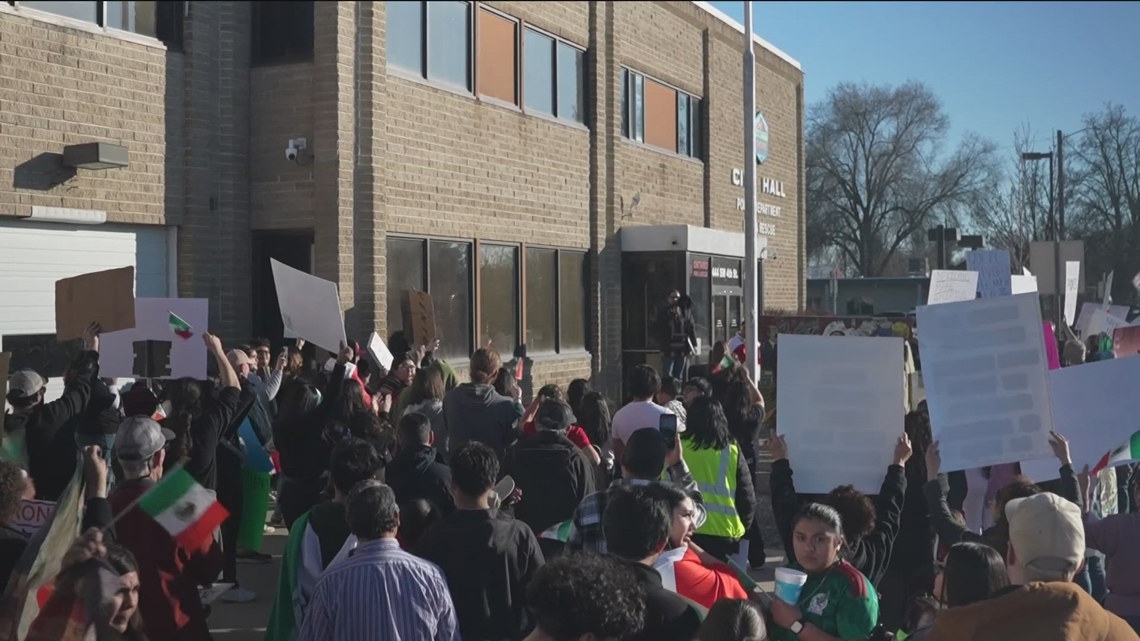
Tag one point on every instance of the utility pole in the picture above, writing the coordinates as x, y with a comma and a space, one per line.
1059, 233
751, 277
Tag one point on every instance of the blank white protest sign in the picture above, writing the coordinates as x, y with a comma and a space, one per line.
841, 409
1094, 407
984, 367
152, 322
310, 307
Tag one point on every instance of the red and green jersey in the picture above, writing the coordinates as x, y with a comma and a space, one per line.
841, 602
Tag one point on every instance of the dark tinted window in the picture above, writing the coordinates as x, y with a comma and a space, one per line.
282, 32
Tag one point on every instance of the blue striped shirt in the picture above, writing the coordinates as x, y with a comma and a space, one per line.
381, 593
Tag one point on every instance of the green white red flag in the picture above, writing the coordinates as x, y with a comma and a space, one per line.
180, 327
1127, 453
185, 509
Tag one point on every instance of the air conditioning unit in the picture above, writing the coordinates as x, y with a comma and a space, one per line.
917, 267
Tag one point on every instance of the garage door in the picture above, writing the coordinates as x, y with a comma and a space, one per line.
35, 255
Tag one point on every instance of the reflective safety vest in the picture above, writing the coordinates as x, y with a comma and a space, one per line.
715, 474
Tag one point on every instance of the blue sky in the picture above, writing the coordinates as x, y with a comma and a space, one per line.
994, 65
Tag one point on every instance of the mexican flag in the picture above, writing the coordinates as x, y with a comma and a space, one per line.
558, 531
187, 510
180, 327
1127, 453
725, 363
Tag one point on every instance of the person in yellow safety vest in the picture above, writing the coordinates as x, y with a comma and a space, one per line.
722, 475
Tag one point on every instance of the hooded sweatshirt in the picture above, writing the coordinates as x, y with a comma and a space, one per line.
476, 412
554, 477
419, 473
1036, 612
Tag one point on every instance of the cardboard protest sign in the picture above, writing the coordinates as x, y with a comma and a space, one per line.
106, 297
310, 307
841, 408
31, 515
951, 286
419, 317
992, 265
984, 367
166, 341
1072, 281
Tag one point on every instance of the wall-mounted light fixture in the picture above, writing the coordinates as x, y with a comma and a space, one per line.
95, 155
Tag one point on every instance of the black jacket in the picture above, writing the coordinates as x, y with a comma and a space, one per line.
668, 617
554, 477
488, 559
420, 474
474, 412
49, 430
101, 416
871, 554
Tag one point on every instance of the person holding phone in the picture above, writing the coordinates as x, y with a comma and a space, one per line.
729, 497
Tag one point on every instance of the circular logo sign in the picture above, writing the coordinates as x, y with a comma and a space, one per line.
761, 138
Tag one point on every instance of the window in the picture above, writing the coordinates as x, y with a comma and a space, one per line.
405, 35
161, 19
659, 115
573, 301
499, 296
444, 273
541, 301
555, 77
282, 32
497, 57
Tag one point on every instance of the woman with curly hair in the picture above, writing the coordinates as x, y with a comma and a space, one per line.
585, 596
13, 488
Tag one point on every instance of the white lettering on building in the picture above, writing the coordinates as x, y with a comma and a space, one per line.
765, 229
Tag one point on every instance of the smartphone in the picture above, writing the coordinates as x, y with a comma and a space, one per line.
668, 426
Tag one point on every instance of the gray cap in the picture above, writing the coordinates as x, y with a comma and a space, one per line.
140, 438
25, 383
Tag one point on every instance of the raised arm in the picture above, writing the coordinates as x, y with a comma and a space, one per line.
226, 374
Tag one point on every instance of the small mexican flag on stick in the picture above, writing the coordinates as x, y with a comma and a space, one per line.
559, 531
180, 327
725, 363
187, 510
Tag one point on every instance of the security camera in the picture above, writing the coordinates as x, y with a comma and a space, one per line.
294, 149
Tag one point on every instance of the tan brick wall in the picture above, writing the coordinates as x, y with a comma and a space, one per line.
281, 192
61, 86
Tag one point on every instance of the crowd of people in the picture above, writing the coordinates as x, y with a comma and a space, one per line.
419, 506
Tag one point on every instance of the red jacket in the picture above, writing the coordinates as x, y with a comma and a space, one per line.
683, 573
169, 575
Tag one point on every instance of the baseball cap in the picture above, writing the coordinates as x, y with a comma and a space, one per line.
140, 438
25, 383
1047, 532
554, 415
238, 358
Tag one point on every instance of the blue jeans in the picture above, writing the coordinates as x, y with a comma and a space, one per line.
675, 364
1082, 579
1095, 567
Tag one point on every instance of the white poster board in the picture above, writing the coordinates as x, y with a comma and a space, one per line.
951, 286
841, 409
380, 352
152, 323
310, 307
1088, 311
1072, 280
1104, 323
984, 367
1107, 291
1094, 406
31, 515
1023, 284
992, 265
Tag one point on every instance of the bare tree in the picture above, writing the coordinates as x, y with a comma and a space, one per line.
874, 173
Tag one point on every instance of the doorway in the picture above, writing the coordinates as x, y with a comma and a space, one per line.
294, 249
727, 310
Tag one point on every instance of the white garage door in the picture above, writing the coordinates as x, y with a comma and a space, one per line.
35, 255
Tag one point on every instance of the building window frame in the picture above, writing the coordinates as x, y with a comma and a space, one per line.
557, 41
560, 346
632, 98
258, 59
519, 284
473, 55
422, 74
426, 269
169, 35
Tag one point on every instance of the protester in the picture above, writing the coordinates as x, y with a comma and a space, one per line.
1117, 537
418, 471
586, 596
637, 531
684, 567
575, 432
13, 488
43, 434
744, 408
576, 392
402, 374
416, 518
733, 620
302, 450
837, 600
722, 474
476, 412
1046, 548
318, 536
380, 592
552, 472
270, 377
641, 412
694, 388
972, 572
426, 398
487, 557
676, 332
669, 397
169, 573
645, 459
593, 414
869, 533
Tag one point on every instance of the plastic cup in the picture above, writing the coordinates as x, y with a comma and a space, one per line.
789, 582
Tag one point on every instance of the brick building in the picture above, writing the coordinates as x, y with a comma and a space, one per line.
547, 171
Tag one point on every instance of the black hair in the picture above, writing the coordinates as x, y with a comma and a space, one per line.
671, 387
553, 414
733, 620
371, 510
399, 345
855, 508
644, 454
636, 524
644, 382
576, 392
593, 414
973, 572
685, 302
670, 495
185, 396
504, 382
579, 594
551, 391
820, 513
258, 343
297, 398
415, 430
706, 426
699, 383
474, 469
352, 461
12, 484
